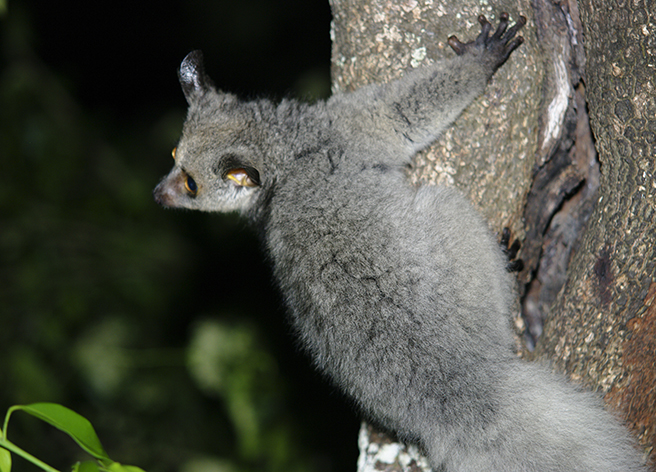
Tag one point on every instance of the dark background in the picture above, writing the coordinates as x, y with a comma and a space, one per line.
104, 296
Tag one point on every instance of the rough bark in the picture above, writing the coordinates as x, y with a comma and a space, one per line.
564, 186
602, 329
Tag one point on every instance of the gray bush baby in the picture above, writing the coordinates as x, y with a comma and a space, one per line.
399, 293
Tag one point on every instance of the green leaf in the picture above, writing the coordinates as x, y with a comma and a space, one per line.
71, 423
5, 460
116, 467
86, 466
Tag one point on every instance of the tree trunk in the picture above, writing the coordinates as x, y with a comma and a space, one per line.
524, 154
602, 328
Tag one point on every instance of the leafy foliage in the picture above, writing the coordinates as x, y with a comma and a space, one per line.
71, 423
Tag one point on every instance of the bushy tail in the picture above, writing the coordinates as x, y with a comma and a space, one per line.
545, 424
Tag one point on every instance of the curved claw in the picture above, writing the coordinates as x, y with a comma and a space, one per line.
503, 24
456, 45
521, 21
512, 45
510, 249
485, 27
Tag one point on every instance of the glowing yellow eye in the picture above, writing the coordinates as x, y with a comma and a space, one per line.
173, 152
241, 178
190, 185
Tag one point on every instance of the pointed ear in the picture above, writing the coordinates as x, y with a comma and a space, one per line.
192, 76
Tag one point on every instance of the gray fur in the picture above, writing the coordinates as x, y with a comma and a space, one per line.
399, 293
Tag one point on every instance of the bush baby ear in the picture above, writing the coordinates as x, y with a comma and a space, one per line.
195, 83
